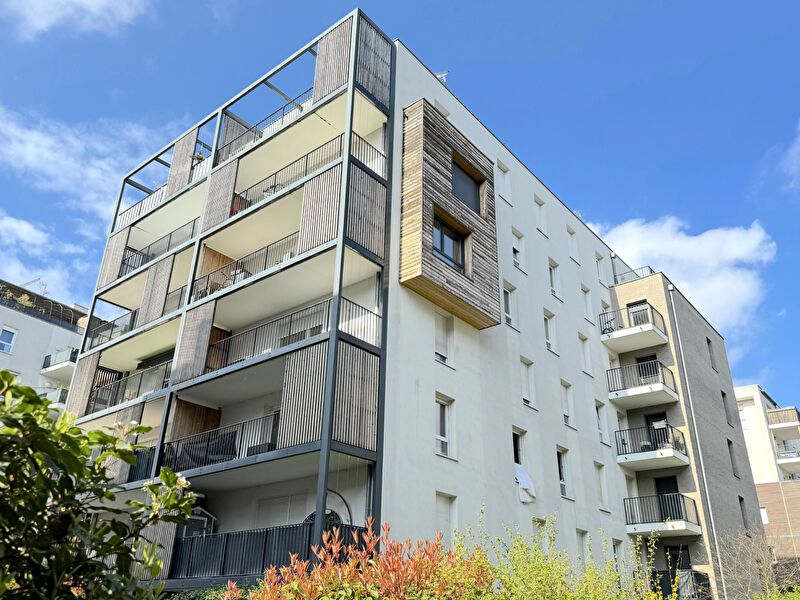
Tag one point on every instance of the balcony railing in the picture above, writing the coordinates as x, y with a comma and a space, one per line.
111, 330
62, 356
295, 327
284, 115
144, 206
632, 316
692, 585
788, 454
128, 388
368, 154
286, 176
143, 466
199, 169
360, 322
246, 552
133, 259
660, 508
231, 442
633, 274
651, 372
783, 416
256, 262
648, 439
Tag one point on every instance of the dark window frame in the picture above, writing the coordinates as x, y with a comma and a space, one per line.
442, 228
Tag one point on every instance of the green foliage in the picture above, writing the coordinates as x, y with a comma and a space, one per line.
53, 491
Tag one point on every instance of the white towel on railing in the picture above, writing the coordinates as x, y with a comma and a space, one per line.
527, 492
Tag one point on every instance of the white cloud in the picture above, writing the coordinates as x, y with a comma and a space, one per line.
33, 17
790, 163
719, 270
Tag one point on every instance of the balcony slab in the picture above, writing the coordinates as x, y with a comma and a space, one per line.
643, 395
634, 338
662, 458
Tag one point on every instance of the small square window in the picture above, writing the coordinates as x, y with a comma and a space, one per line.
7, 337
448, 245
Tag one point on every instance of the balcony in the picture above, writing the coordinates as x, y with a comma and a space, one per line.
135, 385
692, 585
111, 330
789, 460
633, 328
132, 258
143, 465
642, 384
655, 447
632, 275
59, 366
668, 515
233, 442
784, 423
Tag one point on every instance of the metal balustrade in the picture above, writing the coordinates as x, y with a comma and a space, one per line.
648, 439
238, 270
368, 154
650, 372
132, 259
633, 274
143, 464
200, 169
632, 316
788, 453
223, 444
62, 356
267, 337
660, 508
284, 115
783, 416
360, 322
286, 176
144, 206
128, 388
692, 585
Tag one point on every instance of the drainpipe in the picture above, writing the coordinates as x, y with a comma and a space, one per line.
690, 404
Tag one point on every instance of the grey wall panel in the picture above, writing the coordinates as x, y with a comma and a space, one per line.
333, 60
181, 166
220, 195
319, 215
155, 291
366, 211
301, 399
193, 346
374, 68
82, 382
355, 413
112, 258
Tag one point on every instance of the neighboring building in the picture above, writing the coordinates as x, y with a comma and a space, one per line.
364, 304
39, 340
773, 445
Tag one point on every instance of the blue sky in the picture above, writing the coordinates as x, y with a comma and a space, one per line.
671, 127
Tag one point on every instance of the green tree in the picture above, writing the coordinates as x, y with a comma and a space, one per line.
53, 488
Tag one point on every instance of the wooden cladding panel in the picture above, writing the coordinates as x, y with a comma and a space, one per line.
319, 216
366, 211
189, 419
355, 412
220, 195
181, 166
374, 68
782, 501
430, 143
232, 128
193, 346
112, 258
211, 260
302, 396
82, 383
333, 60
162, 534
155, 291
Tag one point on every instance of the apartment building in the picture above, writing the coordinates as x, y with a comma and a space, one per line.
39, 340
363, 304
773, 445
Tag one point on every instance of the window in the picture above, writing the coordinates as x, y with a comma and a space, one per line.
729, 414
588, 313
444, 425
7, 337
600, 413
582, 537
572, 240
711, 356
601, 268
549, 330
743, 417
526, 371
764, 515
743, 510
561, 458
444, 338
466, 188
508, 303
516, 440
501, 182
552, 271
541, 214
527, 491
445, 517
734, 466
518, 249
566, 402
602, 490
586, 354
616, 549
448, 244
